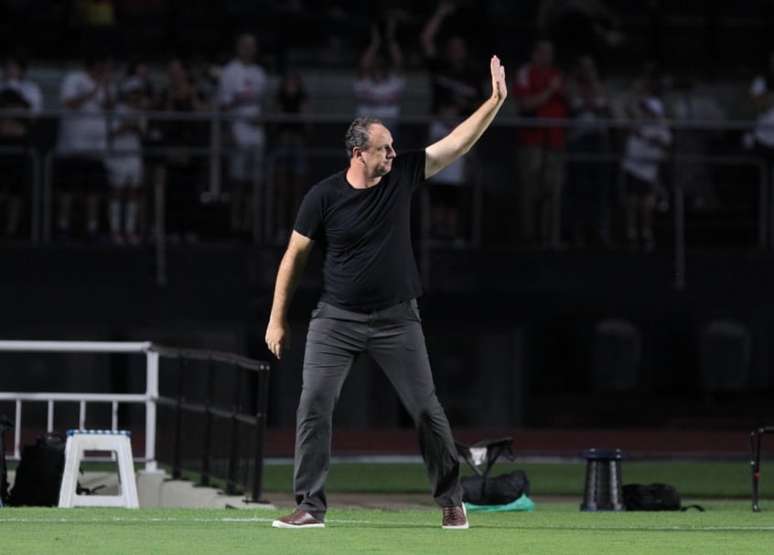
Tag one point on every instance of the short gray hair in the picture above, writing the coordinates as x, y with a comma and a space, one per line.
357, 134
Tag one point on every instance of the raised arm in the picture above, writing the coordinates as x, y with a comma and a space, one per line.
430, 31
396, 54
367, 59
464, 136
290, 270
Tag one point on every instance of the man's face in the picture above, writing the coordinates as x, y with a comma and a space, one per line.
380, 153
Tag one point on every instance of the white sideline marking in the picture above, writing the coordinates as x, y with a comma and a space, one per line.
391, 523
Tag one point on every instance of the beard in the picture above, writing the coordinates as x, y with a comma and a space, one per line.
383, 169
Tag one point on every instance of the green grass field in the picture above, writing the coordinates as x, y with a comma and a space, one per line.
726, 527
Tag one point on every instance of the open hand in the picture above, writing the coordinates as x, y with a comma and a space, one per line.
499, 88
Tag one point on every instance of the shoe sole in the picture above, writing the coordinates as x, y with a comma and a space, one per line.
280, 524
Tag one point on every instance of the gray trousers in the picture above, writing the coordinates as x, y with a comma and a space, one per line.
393, 338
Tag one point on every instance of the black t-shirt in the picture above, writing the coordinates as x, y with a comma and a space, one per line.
366, 236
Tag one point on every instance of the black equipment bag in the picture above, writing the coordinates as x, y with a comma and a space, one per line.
39, 474
482, 489
498, 490
654, 497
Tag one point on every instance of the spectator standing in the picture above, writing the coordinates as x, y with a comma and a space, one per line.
85, 94
454, 80
689, 105
762, 95
540, 93
139, 72
16, 93
243, 86
15, 79
588, 186
182, 170
290, 154
379, 85
456, 90
646, 148
125, 164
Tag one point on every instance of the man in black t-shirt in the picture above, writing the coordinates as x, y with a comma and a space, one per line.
361, 217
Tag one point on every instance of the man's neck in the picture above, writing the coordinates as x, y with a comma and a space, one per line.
357, 178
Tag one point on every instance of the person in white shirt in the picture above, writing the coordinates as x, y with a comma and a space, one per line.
16, 93
762, 95
124, 164
379, 87
242, 88
646, 148
14, 78
82, 141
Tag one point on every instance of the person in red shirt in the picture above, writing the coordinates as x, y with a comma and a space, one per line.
540, 93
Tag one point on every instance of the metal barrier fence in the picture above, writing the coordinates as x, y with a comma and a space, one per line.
247, 478
264, 230
151, 399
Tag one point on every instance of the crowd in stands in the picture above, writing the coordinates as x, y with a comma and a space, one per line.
566, 190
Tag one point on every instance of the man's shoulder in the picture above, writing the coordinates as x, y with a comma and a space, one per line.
408, 161
326, 186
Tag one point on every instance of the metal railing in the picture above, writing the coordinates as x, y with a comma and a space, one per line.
151, 399
265, 194
250, 478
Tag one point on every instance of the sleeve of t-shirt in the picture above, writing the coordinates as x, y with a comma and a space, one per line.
309, 220
71, 87
411, 166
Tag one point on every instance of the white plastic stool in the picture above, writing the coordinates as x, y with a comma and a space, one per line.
79, 441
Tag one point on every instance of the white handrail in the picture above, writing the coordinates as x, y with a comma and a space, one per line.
75, 346
74, 397
148, 398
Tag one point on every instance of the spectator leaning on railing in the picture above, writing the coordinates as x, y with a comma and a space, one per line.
243, 86
16, 93
183, 171
125, 164
540, 92
456, 89
289, 140
85, 94
588, 184
646, 148
379, 85
762, 94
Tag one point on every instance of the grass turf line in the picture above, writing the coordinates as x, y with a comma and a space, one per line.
727, 527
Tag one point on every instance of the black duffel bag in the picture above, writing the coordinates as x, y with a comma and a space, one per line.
654, 497
498, 490
39, 474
